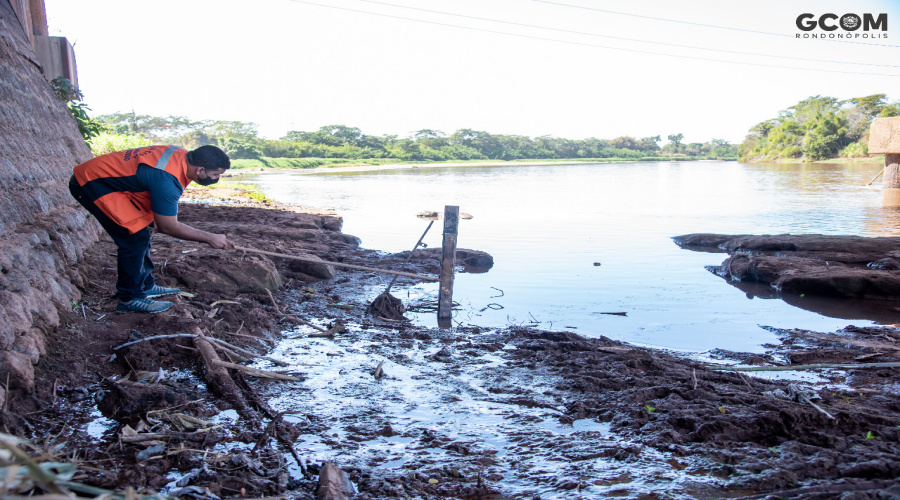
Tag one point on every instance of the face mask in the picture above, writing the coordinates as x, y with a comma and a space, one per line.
209, 181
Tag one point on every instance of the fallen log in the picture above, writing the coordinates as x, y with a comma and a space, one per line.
219, 381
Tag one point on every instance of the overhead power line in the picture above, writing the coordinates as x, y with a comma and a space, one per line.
568, 42
700, 24
561, 30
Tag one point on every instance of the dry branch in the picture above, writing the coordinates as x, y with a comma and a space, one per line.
246, 352
335, 264
256, 372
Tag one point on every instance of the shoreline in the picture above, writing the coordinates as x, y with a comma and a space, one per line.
330, 169
402, 166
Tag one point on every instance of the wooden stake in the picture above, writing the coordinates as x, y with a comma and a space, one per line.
448, 260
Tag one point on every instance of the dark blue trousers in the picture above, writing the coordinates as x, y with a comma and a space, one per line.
134, 264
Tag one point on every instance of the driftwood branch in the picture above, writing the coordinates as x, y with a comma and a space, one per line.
335, 264
330, 332
256, 372
164, 436
847, 366
272, 298
126, 344
221, 343
246, 352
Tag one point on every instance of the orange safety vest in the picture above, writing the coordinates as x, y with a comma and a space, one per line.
105, 179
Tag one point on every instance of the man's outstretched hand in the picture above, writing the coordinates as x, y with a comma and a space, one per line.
220, 241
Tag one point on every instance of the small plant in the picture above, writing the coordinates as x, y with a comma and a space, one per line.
649, 408
871, 435
73, 97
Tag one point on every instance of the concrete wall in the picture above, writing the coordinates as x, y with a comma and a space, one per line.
43, 233
54, 54
57, 57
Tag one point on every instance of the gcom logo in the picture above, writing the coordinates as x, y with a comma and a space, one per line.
848, 22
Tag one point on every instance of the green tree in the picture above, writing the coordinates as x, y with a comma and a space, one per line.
483, 142
814, 129
870, 105
891, 110
239, 149
434, 139
158, 128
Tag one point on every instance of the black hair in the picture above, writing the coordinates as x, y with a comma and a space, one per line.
209, 157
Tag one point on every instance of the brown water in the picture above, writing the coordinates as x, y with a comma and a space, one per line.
547, 226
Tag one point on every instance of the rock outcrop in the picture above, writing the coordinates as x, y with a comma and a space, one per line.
851, 267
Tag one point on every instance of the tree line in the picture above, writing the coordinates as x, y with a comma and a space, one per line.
241, 141
818, 128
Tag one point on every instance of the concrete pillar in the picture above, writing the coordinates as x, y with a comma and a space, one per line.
39, 18
891, 178
884, 138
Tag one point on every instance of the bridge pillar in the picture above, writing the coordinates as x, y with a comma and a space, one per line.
884, 138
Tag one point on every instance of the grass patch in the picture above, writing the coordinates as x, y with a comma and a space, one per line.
227, 190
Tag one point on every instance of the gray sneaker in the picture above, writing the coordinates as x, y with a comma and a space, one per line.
143, 305
156, 291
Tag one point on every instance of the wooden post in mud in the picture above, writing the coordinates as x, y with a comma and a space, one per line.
884, 138
448, 260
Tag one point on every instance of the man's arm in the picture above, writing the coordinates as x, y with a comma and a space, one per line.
167, 224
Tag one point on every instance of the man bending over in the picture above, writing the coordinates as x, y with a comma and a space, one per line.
130, 191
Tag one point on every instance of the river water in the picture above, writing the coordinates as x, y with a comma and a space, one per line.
572, 243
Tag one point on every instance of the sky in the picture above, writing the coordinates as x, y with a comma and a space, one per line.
709, 69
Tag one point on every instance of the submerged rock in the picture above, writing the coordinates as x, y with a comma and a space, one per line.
833, 266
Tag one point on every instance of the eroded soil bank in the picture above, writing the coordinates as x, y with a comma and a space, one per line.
409, 412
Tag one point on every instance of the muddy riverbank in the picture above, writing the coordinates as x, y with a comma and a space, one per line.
410, 412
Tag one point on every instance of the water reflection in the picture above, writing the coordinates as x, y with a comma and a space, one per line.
885, 219
546, 226
884, 312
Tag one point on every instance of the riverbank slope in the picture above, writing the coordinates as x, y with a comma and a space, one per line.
537, 413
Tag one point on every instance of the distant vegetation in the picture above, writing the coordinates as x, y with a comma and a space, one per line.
339, 143
817, 128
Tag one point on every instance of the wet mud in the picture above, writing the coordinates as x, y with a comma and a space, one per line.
412, 412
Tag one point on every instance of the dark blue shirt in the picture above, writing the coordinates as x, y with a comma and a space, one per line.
162, 186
